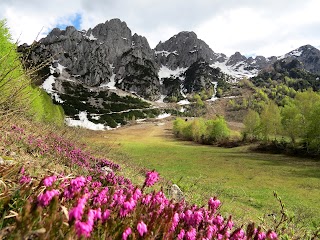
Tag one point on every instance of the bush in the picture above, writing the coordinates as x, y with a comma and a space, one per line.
202, 131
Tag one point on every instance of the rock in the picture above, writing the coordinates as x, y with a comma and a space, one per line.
200, 76
94, 57
175, 193
183, 49
106, 170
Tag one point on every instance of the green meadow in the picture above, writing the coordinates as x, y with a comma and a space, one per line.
243, 180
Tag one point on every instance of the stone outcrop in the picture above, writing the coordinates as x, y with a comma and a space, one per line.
97, 56
183, 49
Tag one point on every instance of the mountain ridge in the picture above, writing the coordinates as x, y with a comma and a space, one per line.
109, 57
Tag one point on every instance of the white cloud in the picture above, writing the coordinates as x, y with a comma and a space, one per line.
265, 27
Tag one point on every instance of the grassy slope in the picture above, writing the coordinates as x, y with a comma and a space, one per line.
243, 180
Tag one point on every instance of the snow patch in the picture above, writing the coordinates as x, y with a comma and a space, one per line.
183, 102
112, 83
91, 37
214, 98
84, 123
166, 53
166, 72
48, 87
163, 115
162, 97
295, 53
60, 68
182, 110
95, 116
236, 71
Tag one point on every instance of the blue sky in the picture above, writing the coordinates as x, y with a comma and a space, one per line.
264, 27
73, 20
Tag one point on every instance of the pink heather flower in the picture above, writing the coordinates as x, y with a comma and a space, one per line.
142, 228
146, 199
105, 215
25, 179
197, 217
151, 178
127, 207
126, 233
45, 198
230, 223
76, 212
218, 220
137, 194
22, 171
175, 221
191, 234
239, 235
181, 234
272, 235
102, 197
214, 204
83, 229
261, 236
212, 230
48, 181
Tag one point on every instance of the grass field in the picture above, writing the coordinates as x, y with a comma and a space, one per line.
244, 181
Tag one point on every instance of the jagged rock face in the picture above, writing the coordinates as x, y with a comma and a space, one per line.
309, 57
94, 56
239, 62
183, 49
200, 76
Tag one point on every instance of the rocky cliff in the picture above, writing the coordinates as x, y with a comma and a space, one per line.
106, 54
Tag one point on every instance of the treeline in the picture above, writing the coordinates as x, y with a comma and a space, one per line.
295, 125
201, 130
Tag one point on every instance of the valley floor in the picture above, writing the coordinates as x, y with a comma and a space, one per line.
242, 179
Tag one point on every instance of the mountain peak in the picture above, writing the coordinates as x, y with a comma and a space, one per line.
182, 50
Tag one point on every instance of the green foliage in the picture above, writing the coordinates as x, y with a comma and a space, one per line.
17, 93
202, 131
270, 121
292, 121
217, 130
252, 125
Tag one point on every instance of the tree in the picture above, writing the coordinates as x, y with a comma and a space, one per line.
270, 121
292, 121
198, 130
312, 137
252, 124
217, 130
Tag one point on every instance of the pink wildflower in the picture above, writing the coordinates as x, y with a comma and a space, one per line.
151, 178
127, 207
272, 235
261, 236
181, 234
105, 215
142, 228
45, 198
175, 221
240, 234
137, 194
126, 233
191, 234
25, 179
212, 230
214, 204
76, 212
48, 181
